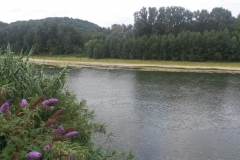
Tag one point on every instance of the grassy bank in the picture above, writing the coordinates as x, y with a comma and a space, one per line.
144, 62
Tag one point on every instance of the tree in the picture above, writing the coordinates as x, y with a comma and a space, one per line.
2, 24
141, 26
117, 30
90, 45
236, 31
221, 19
98, 50
201, 20
152, 17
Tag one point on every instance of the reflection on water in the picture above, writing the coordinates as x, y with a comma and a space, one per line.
161, 115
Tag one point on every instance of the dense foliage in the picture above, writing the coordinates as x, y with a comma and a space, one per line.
174, 20
40, 119
186, 46
167, 33
50, 35
172, 33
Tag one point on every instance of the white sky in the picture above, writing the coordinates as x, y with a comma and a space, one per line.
101, 12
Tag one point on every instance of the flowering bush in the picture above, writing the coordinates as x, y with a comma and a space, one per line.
38, 128
23, 139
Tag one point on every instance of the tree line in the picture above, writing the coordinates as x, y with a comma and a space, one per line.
174, 20
186, 46
167, 33
172, 33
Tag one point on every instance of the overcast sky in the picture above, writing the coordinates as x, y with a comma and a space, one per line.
101, 12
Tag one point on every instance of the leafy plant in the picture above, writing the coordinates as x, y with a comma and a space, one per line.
46, 127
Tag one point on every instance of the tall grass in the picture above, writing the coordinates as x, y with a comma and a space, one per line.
20, 78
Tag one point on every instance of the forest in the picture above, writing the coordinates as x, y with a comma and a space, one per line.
168, 33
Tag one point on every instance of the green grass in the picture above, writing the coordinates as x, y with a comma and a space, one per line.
152, 62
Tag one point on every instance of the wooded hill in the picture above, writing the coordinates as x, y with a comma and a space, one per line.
50, 35
167, 33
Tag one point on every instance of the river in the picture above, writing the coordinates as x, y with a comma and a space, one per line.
164, 115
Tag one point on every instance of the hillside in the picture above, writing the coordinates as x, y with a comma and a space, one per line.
56, 35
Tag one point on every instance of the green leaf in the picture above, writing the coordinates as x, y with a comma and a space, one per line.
2, 134
9, 149
5, 126
16, 139
36, 132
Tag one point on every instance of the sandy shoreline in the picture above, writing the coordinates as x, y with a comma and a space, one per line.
154, 67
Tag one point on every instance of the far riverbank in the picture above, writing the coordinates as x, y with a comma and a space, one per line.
140, 65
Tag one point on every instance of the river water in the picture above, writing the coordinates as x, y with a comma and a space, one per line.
164, 115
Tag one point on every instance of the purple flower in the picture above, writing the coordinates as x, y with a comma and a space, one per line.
51, 108
24, 103
4, 108
47, 147
70, 157
49, 101
59, 130
71, 134
8, 101
52, 125
33, 155
45, 102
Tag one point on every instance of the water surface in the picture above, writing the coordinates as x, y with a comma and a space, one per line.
165, 115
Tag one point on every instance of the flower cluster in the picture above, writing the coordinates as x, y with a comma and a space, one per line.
71, 134
50, 101
51, 108
60, 130
58, 134
8, 101
34, 155
4, 108
47, 147
24, 103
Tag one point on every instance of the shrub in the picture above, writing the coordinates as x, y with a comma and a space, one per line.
53, 125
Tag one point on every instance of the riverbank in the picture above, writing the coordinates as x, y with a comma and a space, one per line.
141, 65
